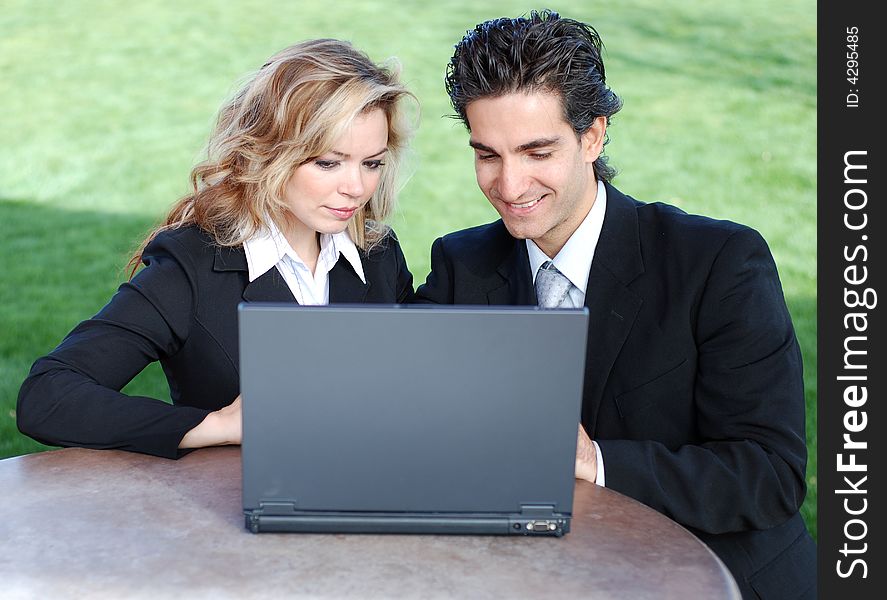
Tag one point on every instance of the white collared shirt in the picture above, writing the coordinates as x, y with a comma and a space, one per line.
574, 261
269, 248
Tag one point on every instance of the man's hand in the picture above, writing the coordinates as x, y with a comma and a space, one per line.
586, 457
220, 427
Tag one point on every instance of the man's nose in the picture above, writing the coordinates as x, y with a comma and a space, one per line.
512, 181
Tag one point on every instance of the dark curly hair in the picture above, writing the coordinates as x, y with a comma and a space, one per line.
541, 52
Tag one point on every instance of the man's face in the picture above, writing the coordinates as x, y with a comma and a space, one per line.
531, 166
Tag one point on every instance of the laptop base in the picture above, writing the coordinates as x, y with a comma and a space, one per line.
420, 524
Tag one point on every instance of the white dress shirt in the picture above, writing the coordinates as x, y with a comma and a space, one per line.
269, 249
574, 261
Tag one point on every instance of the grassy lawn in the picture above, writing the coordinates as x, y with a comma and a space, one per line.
105, 106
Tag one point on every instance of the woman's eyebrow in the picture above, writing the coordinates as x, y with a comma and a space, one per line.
346, 156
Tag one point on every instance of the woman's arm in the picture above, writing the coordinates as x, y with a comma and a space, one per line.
72, 396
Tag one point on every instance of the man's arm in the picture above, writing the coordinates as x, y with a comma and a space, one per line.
438, 287
746, 468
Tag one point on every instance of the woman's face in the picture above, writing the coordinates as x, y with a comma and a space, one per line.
327, 191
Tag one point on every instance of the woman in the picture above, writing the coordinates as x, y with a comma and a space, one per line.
300, 173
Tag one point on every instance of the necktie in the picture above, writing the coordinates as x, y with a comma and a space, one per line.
552, 286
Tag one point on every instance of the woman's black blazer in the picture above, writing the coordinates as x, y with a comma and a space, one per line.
181, 309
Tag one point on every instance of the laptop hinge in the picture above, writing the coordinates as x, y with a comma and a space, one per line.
537, 511
276, 507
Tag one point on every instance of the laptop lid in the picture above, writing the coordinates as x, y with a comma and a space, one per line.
372, 411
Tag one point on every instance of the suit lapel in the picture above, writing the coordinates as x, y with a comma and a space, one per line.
345, 284
612, 306
516, 287
268, 287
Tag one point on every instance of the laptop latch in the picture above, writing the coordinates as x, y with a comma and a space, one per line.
277, 508
537, 511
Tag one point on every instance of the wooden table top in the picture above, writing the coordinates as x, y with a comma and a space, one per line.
112, 524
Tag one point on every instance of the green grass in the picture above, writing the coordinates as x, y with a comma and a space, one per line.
105, 106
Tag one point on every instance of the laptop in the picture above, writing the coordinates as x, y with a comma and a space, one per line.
410, 419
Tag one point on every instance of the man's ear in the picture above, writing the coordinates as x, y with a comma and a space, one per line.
593, 139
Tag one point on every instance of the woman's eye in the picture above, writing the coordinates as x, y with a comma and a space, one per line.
373, 165
326, 164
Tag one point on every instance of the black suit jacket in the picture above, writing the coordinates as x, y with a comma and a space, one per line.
693, 383
181, 309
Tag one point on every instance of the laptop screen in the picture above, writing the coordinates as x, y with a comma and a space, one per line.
391, 409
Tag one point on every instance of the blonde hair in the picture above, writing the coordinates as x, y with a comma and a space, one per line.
289, 112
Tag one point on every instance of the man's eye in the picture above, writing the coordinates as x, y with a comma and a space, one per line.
540, 155
486, 157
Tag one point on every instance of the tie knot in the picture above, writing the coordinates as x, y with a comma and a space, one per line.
552, 286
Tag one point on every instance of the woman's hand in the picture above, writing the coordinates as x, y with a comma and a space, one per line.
220, 427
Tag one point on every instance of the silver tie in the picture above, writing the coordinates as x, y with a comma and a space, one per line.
552, 286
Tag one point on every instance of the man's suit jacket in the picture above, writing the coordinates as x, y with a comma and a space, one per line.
693, 383
181, 309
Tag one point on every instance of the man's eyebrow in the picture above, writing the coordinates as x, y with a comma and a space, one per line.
532, 145
481, 147
540, 143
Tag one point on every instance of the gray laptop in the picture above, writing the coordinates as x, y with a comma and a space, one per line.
410, 419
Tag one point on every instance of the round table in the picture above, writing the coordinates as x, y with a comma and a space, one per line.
112, 524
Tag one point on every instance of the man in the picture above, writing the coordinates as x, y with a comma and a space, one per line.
693, 399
